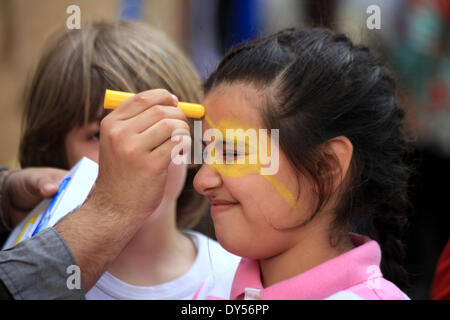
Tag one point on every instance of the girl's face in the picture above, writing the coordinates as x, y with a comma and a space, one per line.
255, 216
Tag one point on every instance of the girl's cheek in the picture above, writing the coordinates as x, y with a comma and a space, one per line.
273, 199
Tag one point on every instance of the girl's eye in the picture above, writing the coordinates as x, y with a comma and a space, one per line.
230, 153
233, 153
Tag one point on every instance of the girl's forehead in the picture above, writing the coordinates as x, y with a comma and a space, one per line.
236, 105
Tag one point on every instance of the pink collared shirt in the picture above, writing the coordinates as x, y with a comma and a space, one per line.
353, 275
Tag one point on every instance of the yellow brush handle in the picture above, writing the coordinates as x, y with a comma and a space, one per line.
114, 98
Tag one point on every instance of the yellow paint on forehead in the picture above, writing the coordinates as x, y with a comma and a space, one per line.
241, 170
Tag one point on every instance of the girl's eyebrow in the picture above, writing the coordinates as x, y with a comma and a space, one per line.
224, 144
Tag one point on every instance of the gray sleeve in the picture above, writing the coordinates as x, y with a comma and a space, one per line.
36, 268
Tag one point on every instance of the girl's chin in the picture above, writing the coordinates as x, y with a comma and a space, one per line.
231, 242
159, 212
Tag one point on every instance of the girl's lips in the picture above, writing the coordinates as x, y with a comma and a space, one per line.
217, 207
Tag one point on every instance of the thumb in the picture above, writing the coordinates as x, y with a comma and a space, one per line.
47, 188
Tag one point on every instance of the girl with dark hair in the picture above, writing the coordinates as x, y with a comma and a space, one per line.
63, 110
328, 224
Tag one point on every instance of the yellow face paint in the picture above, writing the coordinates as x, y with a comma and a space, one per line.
25, 227
238, 170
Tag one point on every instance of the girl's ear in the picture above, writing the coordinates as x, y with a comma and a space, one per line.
338, 153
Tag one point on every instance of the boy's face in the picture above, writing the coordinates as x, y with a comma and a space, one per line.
83, 141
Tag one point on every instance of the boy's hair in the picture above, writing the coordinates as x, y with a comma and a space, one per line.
320, 85
68, 87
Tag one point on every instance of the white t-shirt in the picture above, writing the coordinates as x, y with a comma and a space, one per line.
214, 266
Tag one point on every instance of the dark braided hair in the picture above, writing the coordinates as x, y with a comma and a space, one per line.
320, 85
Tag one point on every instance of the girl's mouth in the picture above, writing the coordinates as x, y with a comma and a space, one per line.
221, 205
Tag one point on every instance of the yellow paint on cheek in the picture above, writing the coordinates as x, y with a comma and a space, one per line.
236, 170
282, 190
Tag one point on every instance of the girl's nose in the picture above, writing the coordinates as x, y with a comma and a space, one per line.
206, 180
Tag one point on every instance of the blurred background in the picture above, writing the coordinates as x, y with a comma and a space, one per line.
413, 39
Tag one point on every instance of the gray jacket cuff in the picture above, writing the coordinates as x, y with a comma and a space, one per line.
37, 268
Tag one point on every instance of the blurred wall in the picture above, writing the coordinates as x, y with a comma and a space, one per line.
24, 26
170, 16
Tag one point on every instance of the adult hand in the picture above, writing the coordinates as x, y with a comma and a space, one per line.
135, 150
135, 153
24, 189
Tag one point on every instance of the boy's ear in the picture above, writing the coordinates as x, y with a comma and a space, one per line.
337, 153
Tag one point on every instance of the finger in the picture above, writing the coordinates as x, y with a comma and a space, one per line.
133, 106
49, 181
149, 117
56, 175
31, 184
24, 192
160, 132
48, 188
161, 156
